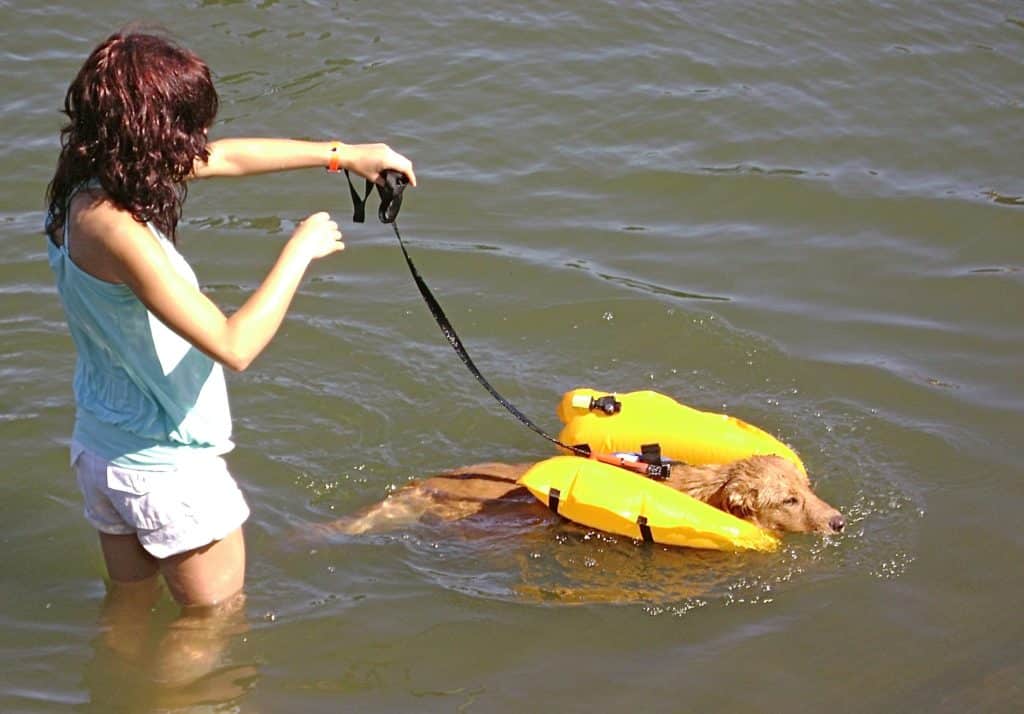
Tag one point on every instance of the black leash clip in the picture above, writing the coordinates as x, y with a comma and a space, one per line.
390, 192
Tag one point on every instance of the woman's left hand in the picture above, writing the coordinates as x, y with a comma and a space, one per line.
369, 160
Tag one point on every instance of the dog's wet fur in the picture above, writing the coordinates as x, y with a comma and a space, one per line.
769, 491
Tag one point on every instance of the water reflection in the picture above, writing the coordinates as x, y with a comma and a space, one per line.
587, 566
145, 660
518, 552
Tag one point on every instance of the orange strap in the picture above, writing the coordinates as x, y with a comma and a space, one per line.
334, 163
658, 472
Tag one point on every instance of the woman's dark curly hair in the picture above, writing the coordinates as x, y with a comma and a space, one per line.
138, 113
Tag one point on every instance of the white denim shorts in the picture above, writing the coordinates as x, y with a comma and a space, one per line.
170, 512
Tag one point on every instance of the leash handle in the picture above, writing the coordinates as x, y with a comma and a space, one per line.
358, 202
390, 192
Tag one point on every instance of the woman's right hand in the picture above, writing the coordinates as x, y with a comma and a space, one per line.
317, 237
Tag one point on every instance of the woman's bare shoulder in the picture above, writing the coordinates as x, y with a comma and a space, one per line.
102, 234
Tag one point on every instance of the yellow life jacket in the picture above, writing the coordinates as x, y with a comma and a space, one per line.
684, 433
618, 501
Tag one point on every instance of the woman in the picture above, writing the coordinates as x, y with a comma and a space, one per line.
152, 420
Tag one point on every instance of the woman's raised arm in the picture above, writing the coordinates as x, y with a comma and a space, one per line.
245, 157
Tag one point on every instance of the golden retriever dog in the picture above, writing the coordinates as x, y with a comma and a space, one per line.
768, 491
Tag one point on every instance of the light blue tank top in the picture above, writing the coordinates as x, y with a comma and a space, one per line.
145, 397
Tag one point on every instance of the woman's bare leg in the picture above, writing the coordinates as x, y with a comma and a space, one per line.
207, 576
127, 561
204, 577
207, 583
134, 590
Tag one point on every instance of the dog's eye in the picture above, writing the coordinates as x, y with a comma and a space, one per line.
791, 501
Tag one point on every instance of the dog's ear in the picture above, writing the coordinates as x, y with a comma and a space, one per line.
739, 494
740, 498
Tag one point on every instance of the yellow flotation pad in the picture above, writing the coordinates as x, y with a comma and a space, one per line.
684, 433
618, 501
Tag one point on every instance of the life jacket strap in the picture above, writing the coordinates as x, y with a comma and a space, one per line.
648, 463
554, 496
645, 530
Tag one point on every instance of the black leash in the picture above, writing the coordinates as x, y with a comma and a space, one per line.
453, 339
649, 463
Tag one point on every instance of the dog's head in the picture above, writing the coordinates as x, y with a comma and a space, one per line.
772, 493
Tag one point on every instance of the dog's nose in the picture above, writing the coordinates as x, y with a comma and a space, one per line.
837, 523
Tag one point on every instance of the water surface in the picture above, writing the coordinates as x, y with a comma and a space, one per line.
806, 215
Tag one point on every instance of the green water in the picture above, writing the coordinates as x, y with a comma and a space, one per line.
806, 214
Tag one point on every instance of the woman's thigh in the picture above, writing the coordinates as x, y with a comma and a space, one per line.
202, 577
127, 561
209, 575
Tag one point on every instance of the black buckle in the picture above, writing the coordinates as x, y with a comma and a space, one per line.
607, 404
658, 468
581, 450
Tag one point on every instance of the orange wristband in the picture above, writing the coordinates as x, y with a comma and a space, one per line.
334, 163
